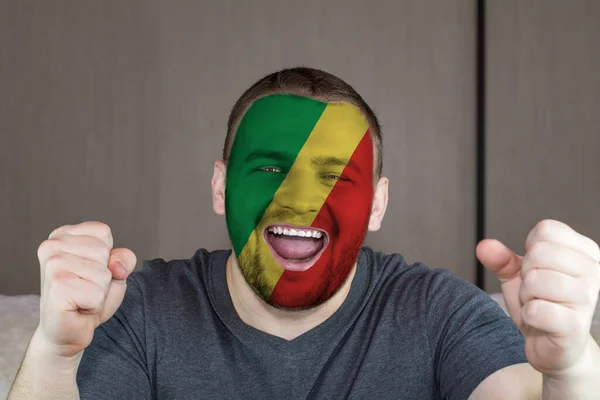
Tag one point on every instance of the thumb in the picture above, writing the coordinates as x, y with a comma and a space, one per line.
118, 259
506, 265
499, 259
121, 263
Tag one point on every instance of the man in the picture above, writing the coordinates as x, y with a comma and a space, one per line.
298, 310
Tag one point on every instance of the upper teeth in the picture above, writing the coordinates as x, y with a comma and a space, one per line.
295, 232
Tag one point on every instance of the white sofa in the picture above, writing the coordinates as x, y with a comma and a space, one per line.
19, 316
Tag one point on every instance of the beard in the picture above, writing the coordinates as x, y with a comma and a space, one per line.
339, 264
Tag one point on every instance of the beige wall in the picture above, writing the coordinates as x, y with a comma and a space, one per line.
543, 107
116, 111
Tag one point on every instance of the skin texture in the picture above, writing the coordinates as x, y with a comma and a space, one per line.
304, 163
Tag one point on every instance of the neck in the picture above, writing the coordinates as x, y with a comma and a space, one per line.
285, 324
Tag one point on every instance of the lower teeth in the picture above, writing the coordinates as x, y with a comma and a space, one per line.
300, 259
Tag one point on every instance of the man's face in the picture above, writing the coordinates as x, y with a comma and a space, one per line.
298, 196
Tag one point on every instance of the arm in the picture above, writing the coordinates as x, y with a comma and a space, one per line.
523, 382
470, 337
44, 375
518, 382
551, 294
83, 282
113, 366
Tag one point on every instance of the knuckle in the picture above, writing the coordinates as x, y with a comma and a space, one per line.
529, 313
105, 252
58, 231
55, 261
536, 250
596, 250
57, 289
46, 247
105, 277
103, 232
544, 227
524, 295
102, 229
531, 277
98, 297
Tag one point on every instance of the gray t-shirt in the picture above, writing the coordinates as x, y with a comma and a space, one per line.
404, 332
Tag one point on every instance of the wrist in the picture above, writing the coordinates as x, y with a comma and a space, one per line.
580, 381
44, 354
44, 374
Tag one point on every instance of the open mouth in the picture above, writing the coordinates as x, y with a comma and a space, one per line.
296, 248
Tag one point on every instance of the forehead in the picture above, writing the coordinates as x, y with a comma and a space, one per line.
283, 123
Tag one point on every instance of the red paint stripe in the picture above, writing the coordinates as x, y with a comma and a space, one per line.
345, 215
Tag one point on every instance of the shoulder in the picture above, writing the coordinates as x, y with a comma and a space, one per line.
430, 292
393, 269
161, 277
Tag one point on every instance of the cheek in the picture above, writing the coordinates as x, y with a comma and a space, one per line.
351, 200
247, 202
351, 208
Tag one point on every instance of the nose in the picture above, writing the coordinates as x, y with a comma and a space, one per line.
300, 193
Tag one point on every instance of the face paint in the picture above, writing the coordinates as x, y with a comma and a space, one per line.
299, 190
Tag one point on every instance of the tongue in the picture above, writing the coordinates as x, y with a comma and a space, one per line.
295, 247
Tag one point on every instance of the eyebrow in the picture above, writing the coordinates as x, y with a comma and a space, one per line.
335, 161
289, 157
271, 155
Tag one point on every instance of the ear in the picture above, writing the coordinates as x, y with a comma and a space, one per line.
218, 187
380, 200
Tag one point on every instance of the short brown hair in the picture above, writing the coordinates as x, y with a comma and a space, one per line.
308, 82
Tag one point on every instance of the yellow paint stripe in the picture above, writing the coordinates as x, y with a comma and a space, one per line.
337, 134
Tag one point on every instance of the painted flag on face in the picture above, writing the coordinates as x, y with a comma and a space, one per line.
299, 190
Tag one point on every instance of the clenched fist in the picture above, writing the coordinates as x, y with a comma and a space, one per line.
551, 293
82, 285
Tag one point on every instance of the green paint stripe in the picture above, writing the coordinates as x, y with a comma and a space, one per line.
278, 123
